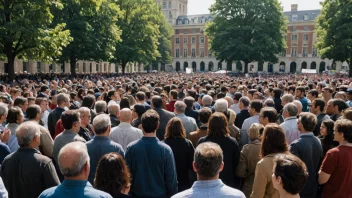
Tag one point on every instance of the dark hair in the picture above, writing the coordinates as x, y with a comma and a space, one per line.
204, 115
314, 92
88, 101
173, 93
175, 129
139, 109
13, 114
344, 126
218, 125
245, 101
157, 101
292, 171
150, 121
112, 174
124, 103
257, 105
273, 140
68, 118
327, 141
19, 101
237, 96
270, 113
79, 94
32, 111
277, 92
319, 103
340, 104
208, 158
291, 88
140, 96
188, 101
108, 96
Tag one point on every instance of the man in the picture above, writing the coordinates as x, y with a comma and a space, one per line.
125, 133
308, 148
349, 97
232, 91
114, 113
101, 144
254, 110
208, 163
327, 94
164, 115
236, 103
22, 103
287, 98
189, 109
140, 99
173, 98
46, 142
207, 101
335, 107
62, 102
151, 162
71, 123
341, 95
267, 115
26, 172
313, 94
114, 97
244, 114
74, 165
204, 115
44, 92
189, 123
289, 126
100, 107
300, 95
317, 108
268, 93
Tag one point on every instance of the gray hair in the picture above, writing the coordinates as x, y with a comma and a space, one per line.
4, 110
62, 98
100, 106
269, 103
83, 111
288, 98
207, 100
75, 167
291, 109
245, 101
26, 132
113, 107
180, 107
298, 105
229, 100
101, 123
221, 105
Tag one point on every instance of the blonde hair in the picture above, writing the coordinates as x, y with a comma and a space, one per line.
254, 131
232, 116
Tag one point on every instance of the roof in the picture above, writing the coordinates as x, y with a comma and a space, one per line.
312, 14
193, 19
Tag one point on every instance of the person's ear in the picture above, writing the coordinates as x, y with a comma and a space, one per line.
221, 167
278, 180
194, 166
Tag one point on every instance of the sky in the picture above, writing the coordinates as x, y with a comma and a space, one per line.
202, 6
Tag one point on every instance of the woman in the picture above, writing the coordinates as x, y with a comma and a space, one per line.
234, 131
85, 131
175, 137
218, 132
327, 135
249, 158
89, 102
289, 175
14, 118
125, 103
273, 143
112, 176
43, 104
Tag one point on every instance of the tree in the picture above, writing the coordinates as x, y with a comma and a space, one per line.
246, 30
26, 31
92, 24
334, 30
140, 32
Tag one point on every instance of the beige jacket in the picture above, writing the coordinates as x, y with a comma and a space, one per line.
262, 185
46, 142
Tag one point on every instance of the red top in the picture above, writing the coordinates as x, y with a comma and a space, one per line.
59, 128
338, 164
171, 106
52, 106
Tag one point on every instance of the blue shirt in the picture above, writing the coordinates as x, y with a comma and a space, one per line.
97, 148
305, 104
152, 167
209, 189
74, 188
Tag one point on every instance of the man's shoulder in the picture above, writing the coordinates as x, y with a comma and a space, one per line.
89, 192
224, 190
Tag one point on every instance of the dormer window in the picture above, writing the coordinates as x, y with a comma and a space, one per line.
294, 17
306, 17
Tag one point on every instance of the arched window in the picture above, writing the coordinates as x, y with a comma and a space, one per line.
178, 66
39, 67
304, 65
211, 66
229, 66
202, 66
313, 65
293, 67
282, 67
194, 66
185, 66
220, 66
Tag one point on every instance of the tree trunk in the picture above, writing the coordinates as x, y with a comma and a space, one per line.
123, 65
350, 66
11, 67
73, 66
245, 67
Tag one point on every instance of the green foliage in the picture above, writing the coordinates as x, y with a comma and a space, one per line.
246, 30
334, 31
164, 47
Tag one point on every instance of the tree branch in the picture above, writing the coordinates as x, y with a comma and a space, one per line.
19, 42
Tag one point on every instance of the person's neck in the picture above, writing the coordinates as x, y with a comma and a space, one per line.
304, 131
284, 194
106, 134
34, 120
345, 143
84, 125
150, 134
201, 178
254, 114
204, 125
80, 177
126, 122
61, 106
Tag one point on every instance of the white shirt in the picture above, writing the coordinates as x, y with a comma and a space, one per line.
236, 108
124, 134
249, 121
291, 129
45, 118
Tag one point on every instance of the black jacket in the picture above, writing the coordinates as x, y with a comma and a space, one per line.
240, 117
193, 114
165, 116
53, 117
114, 120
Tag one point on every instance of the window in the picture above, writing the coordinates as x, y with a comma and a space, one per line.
177, 53
180, 6
305, 52
305, 28
305, 37
183, 8
202, 39
210, 53
315, 52
177, 31
294, 37
194, 31
306, 17
294, 17
185, 31
193, 52
170, 15
177, 40
185, 40
294, 51
164, 5
294, 28
185, 53
201, 52
193, 40
283, 53
170, 5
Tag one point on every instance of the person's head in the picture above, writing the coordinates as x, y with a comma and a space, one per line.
269, 103
34, 112
85, 116
126, 115
173, 95
300, 92
140, 97
28, 135
73, 161
317, 106
255, 107
267, 115
273, 140
327, 93
289, 110
189, 101
15, 116
289, 174
63, 100
347, 114
102, 125
335, 106
125, 103
204, 115
100, 107
237, 96
287, 98
306, 122
244, 102
327, 128
343, 131
298, 105
221, 105
31, 101
70, 120
150, 121
42, 102
208, 161
175, 129
112, 174
218, 125
313, 94
112, 95
3, 112
341, 95
114, 109
157, 102
88, 101
180, 107
277, 92
207, 100
21, 103
231, 115
254, 131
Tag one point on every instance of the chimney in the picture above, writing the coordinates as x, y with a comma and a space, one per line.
294, 7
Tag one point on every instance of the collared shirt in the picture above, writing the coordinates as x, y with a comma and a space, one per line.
210, 188
12, 143
74, 188
291, 129
189, 123
236, 108
64, 138
249, 121
124, 134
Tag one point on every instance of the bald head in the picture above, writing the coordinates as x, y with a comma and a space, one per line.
72, 159
126, 115
26, 134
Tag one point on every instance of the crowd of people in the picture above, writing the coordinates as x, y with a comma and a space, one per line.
176, 135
